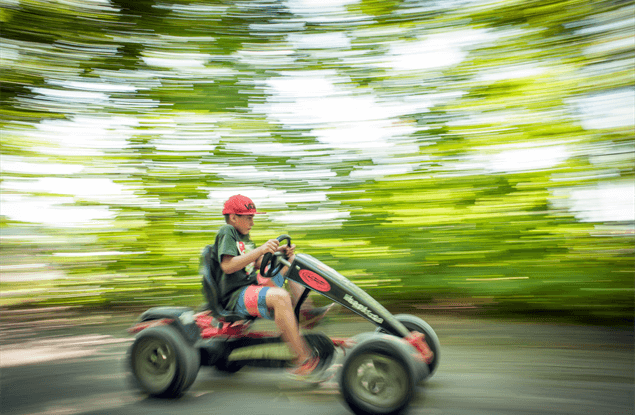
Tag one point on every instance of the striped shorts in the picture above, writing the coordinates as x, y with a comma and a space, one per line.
252, 300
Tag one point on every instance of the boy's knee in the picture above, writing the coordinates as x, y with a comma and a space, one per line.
278, 297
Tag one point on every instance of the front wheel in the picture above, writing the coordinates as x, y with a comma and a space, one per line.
413, 323
378, 377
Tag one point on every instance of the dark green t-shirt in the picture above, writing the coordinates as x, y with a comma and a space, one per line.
230, 242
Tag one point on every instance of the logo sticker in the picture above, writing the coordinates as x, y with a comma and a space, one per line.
314, 281
356, 305
245, 249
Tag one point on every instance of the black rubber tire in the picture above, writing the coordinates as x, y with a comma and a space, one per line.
322, 345
161, 362
227, 366
378, 377
194, 365
414, 323
223, 364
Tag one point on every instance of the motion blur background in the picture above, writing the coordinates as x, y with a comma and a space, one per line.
451, 154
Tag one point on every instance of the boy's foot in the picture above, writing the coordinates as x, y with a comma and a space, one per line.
312, 370
311, 318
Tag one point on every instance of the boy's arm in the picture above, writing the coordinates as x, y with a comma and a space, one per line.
230, 264
289, 251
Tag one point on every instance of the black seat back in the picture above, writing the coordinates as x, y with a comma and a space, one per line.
212, 292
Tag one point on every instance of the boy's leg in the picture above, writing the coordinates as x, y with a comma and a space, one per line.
277, 281
296, 291
279, 300
310, 316
258, 300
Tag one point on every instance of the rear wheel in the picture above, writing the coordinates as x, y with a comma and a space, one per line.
194, 364
378, 377
162, 363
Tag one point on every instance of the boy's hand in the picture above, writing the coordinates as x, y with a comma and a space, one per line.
288, 250
270, 247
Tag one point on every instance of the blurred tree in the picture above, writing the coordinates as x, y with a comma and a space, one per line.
445, 205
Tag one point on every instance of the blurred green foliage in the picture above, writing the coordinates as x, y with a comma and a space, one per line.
141, 117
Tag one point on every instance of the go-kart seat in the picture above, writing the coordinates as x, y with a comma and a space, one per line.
212, 292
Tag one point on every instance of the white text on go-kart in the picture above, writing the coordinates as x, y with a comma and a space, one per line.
363, 309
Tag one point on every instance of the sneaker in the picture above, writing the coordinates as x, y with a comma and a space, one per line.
311, 318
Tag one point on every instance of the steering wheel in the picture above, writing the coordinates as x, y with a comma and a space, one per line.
275, 267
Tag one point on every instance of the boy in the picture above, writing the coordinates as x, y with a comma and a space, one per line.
235, 261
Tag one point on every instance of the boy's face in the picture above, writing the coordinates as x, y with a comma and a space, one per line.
242, 223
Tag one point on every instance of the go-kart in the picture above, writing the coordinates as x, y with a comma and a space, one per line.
379, 373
